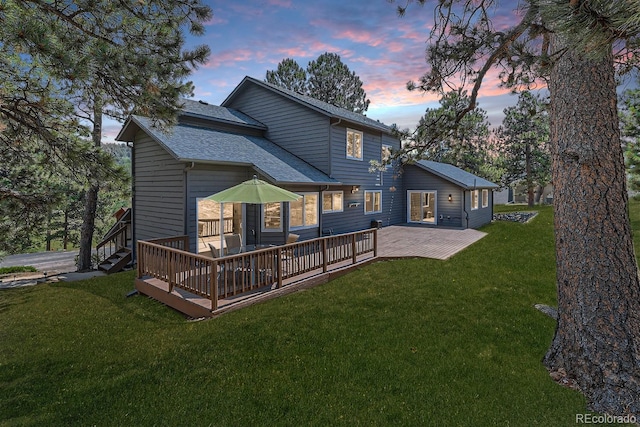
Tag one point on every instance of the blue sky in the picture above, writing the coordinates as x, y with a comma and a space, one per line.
248, 38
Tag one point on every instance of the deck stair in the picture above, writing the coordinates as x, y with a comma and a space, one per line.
116, 262
115, 249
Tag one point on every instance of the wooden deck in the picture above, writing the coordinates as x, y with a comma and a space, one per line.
394, 242
412, 241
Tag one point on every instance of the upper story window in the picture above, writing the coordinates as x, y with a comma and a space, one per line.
332, 201
372, 202
354, 144
485, 198
303, 213
474, 199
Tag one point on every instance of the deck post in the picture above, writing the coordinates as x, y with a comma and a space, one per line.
279, 261
140, 260
324, 255
375, 242
214, 285
354, 252
171, 270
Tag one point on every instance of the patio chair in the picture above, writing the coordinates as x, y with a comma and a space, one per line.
233, 242
215, 253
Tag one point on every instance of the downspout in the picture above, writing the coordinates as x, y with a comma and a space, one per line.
185, 212
464, 209
134, 246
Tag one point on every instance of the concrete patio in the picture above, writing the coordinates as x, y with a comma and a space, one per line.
410, 241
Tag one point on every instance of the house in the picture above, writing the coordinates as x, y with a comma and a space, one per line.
315, 149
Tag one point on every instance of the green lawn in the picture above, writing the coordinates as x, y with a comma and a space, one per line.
409, 342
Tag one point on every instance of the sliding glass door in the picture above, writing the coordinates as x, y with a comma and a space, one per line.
421, 206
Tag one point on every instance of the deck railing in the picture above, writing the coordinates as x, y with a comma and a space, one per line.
220, 278
211, 227
119, 238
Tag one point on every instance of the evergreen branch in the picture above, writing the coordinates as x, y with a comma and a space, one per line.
506, 42
47, 8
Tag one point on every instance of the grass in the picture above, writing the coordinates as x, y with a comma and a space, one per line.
17, 269
408, 342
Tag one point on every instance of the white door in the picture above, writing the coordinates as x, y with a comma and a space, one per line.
422, 207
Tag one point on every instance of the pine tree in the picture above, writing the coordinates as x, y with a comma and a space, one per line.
289, 75
102, 57
569, 45
630, 117
467, 145
524, 145
327, 79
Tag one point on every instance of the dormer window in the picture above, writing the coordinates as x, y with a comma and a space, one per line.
354, 144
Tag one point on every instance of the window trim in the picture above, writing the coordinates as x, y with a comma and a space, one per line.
332, 192
346, 145
477, 200
263, 229
485, 201
365, 202
303, 197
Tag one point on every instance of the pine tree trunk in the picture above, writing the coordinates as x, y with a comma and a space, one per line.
527, 168
91, 199
597, 340
88, 226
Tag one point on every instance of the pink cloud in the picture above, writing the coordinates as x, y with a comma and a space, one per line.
215, 20
280, 3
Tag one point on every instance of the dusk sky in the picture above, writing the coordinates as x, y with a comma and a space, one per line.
248, 38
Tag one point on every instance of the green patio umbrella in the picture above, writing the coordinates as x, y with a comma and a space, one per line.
255, 191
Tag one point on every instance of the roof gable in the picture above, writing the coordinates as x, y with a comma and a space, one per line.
312, 103
454, 174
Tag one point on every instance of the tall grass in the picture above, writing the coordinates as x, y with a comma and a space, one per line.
408, 342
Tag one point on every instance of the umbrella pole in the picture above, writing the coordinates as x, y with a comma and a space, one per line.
221, 228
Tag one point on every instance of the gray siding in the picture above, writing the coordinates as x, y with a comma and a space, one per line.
356, 172
352, 171
159, 188
449, 214
354, 217
481, 216
296, 128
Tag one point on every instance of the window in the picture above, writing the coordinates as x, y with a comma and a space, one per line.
272, 217
474, 199
303, 213
485, 198
332, 201
372, 202
354, 144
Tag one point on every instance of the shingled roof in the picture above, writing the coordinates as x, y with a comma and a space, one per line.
320, 106
462, 178
208, 111
202, 145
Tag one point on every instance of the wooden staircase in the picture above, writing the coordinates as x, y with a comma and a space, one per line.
115, 249
117, 261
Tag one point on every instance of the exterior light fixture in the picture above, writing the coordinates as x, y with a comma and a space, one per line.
355, 189
450, 198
